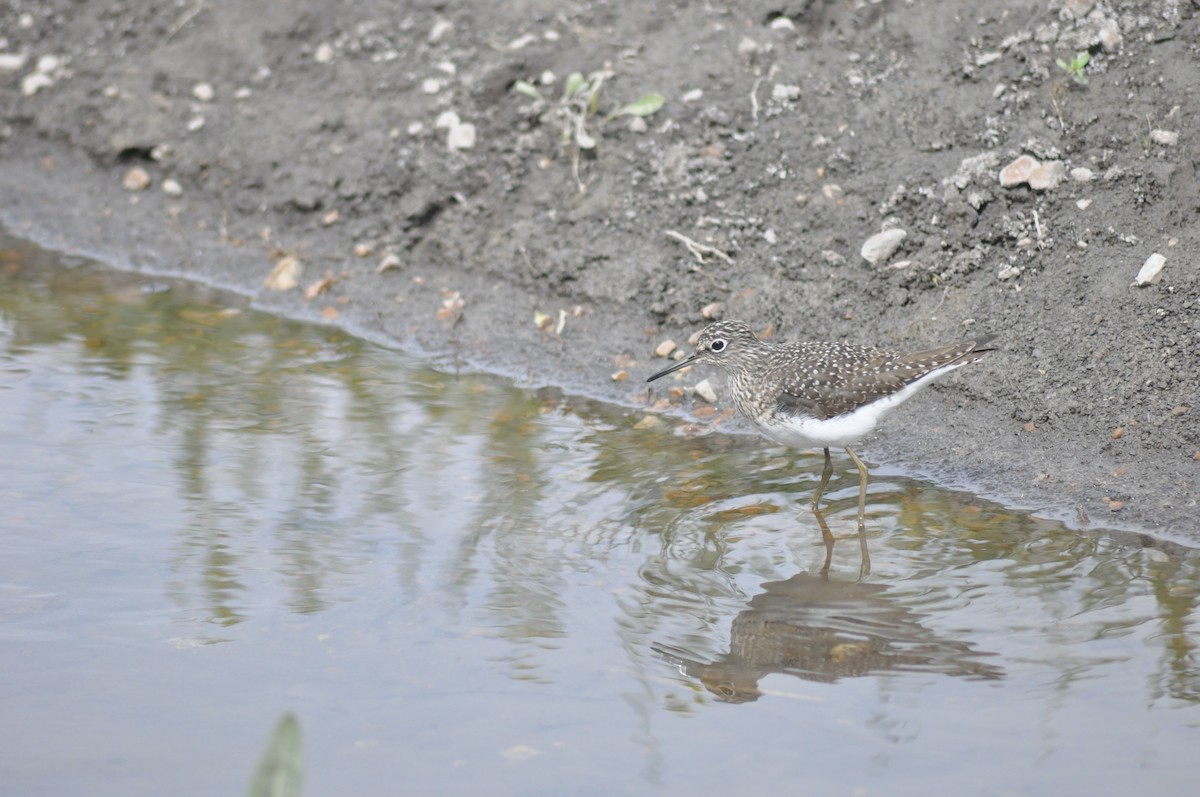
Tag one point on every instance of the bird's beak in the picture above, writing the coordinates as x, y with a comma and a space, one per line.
673, 368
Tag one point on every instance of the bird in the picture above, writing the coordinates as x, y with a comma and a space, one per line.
821, 394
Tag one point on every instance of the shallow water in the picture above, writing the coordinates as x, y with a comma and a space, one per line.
211, 516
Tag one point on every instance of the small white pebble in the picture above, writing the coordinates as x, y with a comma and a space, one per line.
203, 92
784, 91
522, 41
704, 390
34, 82
12, 62
1018, 171
195, 123
693, 95
447, 120
782, 23
461, 136
439, 30
431, 85
324, 53
1165, 138
136, 179
882, 245
1110, 36
1150, 272
1083, 204
1047, 176
171, 187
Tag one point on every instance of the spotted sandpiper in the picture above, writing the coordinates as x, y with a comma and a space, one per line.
817, 395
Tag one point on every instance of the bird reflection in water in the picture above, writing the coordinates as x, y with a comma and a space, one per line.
821, 629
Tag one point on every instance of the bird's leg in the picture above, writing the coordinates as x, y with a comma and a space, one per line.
862, 488
825, 474
864, 567
827, 538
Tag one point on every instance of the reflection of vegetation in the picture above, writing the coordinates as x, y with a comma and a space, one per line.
280, 772
311, 460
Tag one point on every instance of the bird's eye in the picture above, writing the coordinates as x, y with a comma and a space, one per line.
717, 345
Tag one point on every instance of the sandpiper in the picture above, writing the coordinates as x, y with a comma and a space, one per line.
817, 395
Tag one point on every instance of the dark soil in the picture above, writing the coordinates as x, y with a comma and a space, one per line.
791, 133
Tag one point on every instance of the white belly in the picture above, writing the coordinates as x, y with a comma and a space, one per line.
798, 431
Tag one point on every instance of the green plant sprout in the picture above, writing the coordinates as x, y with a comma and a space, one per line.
580, 101
1075, 67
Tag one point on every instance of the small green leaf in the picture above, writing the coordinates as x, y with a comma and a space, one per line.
280, 772
528, 89
574, 83
645, 105
595, 82
1063, 65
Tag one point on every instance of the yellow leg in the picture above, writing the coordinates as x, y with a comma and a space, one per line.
862, 487
825, 474
864, 567
826, 537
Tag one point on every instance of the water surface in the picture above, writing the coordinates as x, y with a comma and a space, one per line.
211, 516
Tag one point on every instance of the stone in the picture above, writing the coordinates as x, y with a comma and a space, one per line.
1150, 272
136, 179
12, 62
704, 390
879, 247
1110, 36
1017, 172
1164, 138
1047, 176
461, 136
784, 92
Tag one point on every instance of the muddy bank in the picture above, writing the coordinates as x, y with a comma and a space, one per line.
230, 143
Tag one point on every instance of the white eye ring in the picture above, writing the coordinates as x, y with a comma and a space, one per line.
717, 345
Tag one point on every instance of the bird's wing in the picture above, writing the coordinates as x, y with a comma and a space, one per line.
823, 387
891, 372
